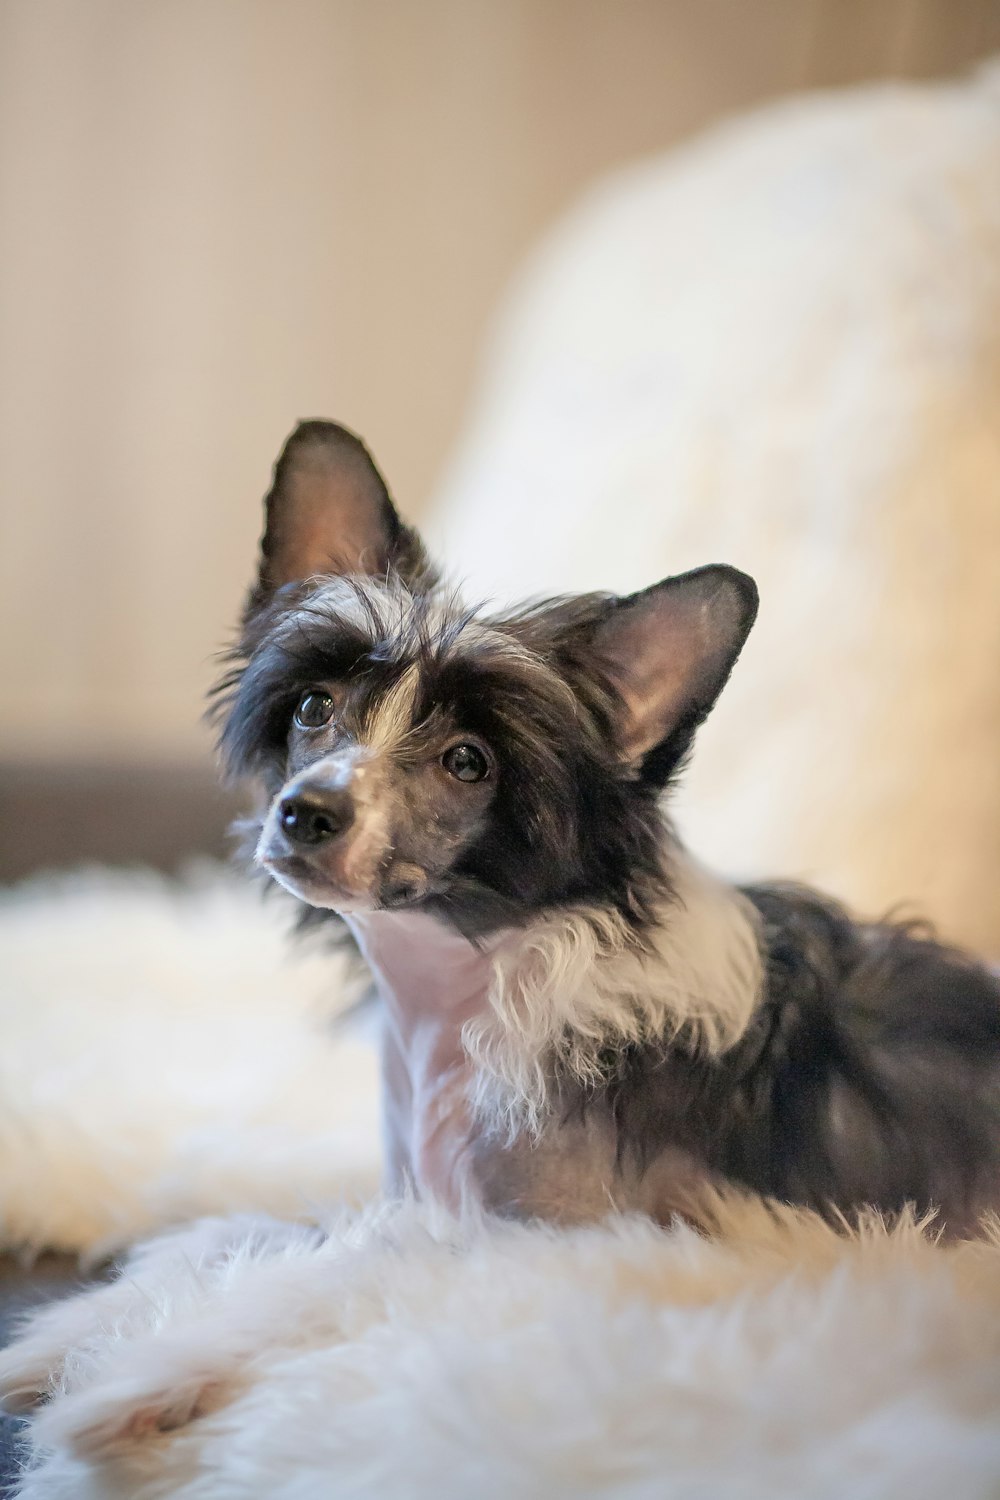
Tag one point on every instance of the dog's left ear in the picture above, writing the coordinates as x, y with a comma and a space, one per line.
668, 651
329, 512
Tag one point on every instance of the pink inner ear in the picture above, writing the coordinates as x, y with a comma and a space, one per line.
317, 547
653, 704
671, 648
327, 513
659, 662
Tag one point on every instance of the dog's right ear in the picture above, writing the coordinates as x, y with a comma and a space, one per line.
329, 513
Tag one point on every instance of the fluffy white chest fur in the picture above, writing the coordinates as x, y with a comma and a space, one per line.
470, 1031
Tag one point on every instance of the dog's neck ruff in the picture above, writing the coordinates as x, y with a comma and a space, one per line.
579, 982
543, 1002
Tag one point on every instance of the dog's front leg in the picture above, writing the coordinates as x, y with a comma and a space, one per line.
397, 1120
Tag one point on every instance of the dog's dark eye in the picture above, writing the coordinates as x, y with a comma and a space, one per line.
314, 710
465, 763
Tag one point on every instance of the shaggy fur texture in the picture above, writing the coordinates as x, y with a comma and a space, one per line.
407, 1357
868, 1073
574, 985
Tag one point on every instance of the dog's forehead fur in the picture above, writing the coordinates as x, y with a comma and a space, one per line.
385, 617
427, 639
399, 658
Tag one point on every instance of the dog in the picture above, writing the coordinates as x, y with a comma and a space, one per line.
577, 1016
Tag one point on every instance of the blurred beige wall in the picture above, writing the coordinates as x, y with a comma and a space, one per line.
222, 215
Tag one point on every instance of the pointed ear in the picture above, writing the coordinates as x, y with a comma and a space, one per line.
669, 651
329, 512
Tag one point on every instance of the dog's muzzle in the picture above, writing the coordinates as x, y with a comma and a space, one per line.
328, 840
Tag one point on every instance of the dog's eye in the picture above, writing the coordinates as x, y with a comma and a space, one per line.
465, 763
314, 710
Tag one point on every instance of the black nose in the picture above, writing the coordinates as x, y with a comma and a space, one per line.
313, 817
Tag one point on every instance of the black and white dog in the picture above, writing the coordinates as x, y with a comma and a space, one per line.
577, 1015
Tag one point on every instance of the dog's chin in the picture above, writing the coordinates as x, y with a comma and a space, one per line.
315, 888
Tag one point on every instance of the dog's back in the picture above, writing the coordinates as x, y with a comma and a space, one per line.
870, 1073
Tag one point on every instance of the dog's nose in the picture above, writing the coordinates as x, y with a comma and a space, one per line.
313, 817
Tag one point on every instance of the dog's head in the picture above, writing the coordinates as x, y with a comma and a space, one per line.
416, 752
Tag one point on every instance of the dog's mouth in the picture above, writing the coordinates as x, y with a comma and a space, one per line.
299, 876
397, 887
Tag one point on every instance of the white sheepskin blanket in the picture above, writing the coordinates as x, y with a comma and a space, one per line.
166, 1052
399, 1359
780, 347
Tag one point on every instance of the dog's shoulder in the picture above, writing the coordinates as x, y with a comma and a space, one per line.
868, 1072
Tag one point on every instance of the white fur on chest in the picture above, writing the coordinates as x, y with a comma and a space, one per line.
472, 1034
577, 981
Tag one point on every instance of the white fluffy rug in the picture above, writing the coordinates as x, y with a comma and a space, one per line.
166, 1053
398, 1358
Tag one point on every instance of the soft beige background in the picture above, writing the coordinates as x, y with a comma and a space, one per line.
221, 215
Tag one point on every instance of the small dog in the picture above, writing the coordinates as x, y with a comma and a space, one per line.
577, 1015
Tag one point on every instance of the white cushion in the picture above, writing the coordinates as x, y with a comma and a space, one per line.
780, 347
